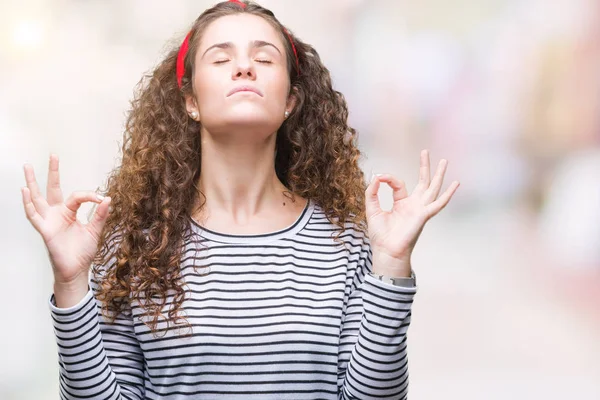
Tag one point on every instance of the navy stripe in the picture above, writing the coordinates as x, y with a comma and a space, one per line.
284, 314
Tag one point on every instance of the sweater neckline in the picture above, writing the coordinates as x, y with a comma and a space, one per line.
287, 232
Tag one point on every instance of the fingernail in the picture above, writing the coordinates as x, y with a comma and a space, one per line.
100, 197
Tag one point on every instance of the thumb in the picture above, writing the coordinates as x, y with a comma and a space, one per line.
97, 223
372, 205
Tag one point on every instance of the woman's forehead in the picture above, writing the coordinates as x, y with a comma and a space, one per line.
239, 29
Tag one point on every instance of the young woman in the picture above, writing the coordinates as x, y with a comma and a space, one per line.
242, 256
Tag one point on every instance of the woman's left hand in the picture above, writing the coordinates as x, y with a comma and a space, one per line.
393, 234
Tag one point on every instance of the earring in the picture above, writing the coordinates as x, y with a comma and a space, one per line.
194, 115
286, 114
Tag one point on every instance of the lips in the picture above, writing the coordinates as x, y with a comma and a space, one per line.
244, 88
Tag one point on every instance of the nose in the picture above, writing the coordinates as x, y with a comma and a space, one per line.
243, 68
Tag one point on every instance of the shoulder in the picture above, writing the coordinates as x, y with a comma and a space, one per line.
351, 234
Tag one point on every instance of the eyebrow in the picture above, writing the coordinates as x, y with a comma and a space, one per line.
228, 45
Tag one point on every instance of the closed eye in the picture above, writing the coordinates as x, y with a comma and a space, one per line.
260, 61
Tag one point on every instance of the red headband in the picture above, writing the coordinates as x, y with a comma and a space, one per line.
180, 68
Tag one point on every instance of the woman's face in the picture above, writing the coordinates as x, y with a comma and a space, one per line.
245, 53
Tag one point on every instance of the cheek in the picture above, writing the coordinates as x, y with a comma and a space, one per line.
208, 89
278, 88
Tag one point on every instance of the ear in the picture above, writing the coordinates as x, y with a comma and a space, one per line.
291, 100
190, 104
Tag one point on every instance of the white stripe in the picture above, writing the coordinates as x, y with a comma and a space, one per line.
277, 316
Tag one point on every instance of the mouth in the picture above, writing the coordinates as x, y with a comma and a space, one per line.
244, 89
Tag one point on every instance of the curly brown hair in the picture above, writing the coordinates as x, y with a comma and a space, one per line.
154, 191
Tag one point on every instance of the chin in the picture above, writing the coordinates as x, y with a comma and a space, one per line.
251, 117
245, 122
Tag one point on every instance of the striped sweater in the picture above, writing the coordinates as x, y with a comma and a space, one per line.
286, 315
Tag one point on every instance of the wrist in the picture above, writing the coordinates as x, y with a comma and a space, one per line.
69, 294
391, 266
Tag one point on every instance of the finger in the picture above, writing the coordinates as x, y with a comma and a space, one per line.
53, 192
398, 186
36, 198
439, 204
32, 215
372, 205
438, 179
424, 173
75, 200
97, 223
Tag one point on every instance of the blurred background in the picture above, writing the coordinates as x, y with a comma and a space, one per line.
507, 90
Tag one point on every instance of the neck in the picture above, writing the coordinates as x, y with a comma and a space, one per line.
238, 177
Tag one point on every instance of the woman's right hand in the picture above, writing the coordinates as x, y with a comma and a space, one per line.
71, 245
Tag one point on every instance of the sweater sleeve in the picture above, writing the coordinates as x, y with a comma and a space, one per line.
373, 360
97, 359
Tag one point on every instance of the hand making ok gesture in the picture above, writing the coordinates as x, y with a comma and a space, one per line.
393, 234
71, 245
